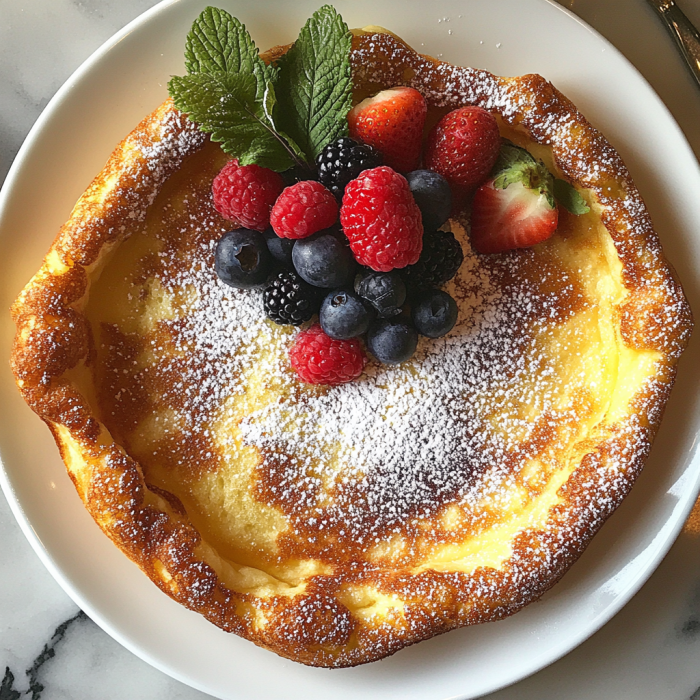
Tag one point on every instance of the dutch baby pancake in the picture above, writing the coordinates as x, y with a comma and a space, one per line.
335, 523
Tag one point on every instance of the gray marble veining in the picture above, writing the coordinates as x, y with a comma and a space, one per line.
49, 650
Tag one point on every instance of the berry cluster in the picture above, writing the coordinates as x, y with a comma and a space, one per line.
357, 242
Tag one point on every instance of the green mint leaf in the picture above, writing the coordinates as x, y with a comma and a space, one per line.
315, 84
568, 196
230, 92
269, 102
219, 43
226, 106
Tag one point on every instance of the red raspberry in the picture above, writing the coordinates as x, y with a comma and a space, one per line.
318, 359
382, 220
303, 209
463, 146
246, 193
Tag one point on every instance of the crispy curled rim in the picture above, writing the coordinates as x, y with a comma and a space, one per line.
54, 339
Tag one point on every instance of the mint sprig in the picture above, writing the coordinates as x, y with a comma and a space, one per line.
225, 105
230, 92
516, 164
315, 83
274, 117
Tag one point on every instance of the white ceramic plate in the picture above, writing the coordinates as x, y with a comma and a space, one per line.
101, 103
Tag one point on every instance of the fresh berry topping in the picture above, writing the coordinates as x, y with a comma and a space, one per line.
344, 315
342, 161
517, 208
385, 291
290, 300
392, 122
323, 260
382, 220
319, 359
242, 259
463, 146
433, 197
392, 340
246, 194
280, 248
514, 217
439, 261
435, 314
303, 209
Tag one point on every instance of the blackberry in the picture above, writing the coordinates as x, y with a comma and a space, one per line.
342, 161
439, 261
288, 300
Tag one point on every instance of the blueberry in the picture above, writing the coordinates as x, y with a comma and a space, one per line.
345, 315
323, 260
242, 259
433, 197
435, 314
386, 291
392, 341
280, 248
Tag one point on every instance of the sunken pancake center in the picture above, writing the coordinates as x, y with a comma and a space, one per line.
437, 461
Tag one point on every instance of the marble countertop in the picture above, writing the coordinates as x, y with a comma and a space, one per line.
50, 650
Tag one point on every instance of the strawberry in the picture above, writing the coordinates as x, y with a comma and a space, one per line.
463, 146
514, 217
516, 208
392, 122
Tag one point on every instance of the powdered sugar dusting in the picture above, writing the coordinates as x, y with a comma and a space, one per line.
177, 137
387, 451
129, 184
455, 425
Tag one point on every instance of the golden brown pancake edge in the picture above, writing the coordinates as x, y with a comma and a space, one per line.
314, 627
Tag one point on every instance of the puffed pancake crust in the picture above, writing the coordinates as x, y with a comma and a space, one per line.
336, 525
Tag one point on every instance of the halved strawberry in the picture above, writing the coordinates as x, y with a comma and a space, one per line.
513, 217
516, 208
392, 121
